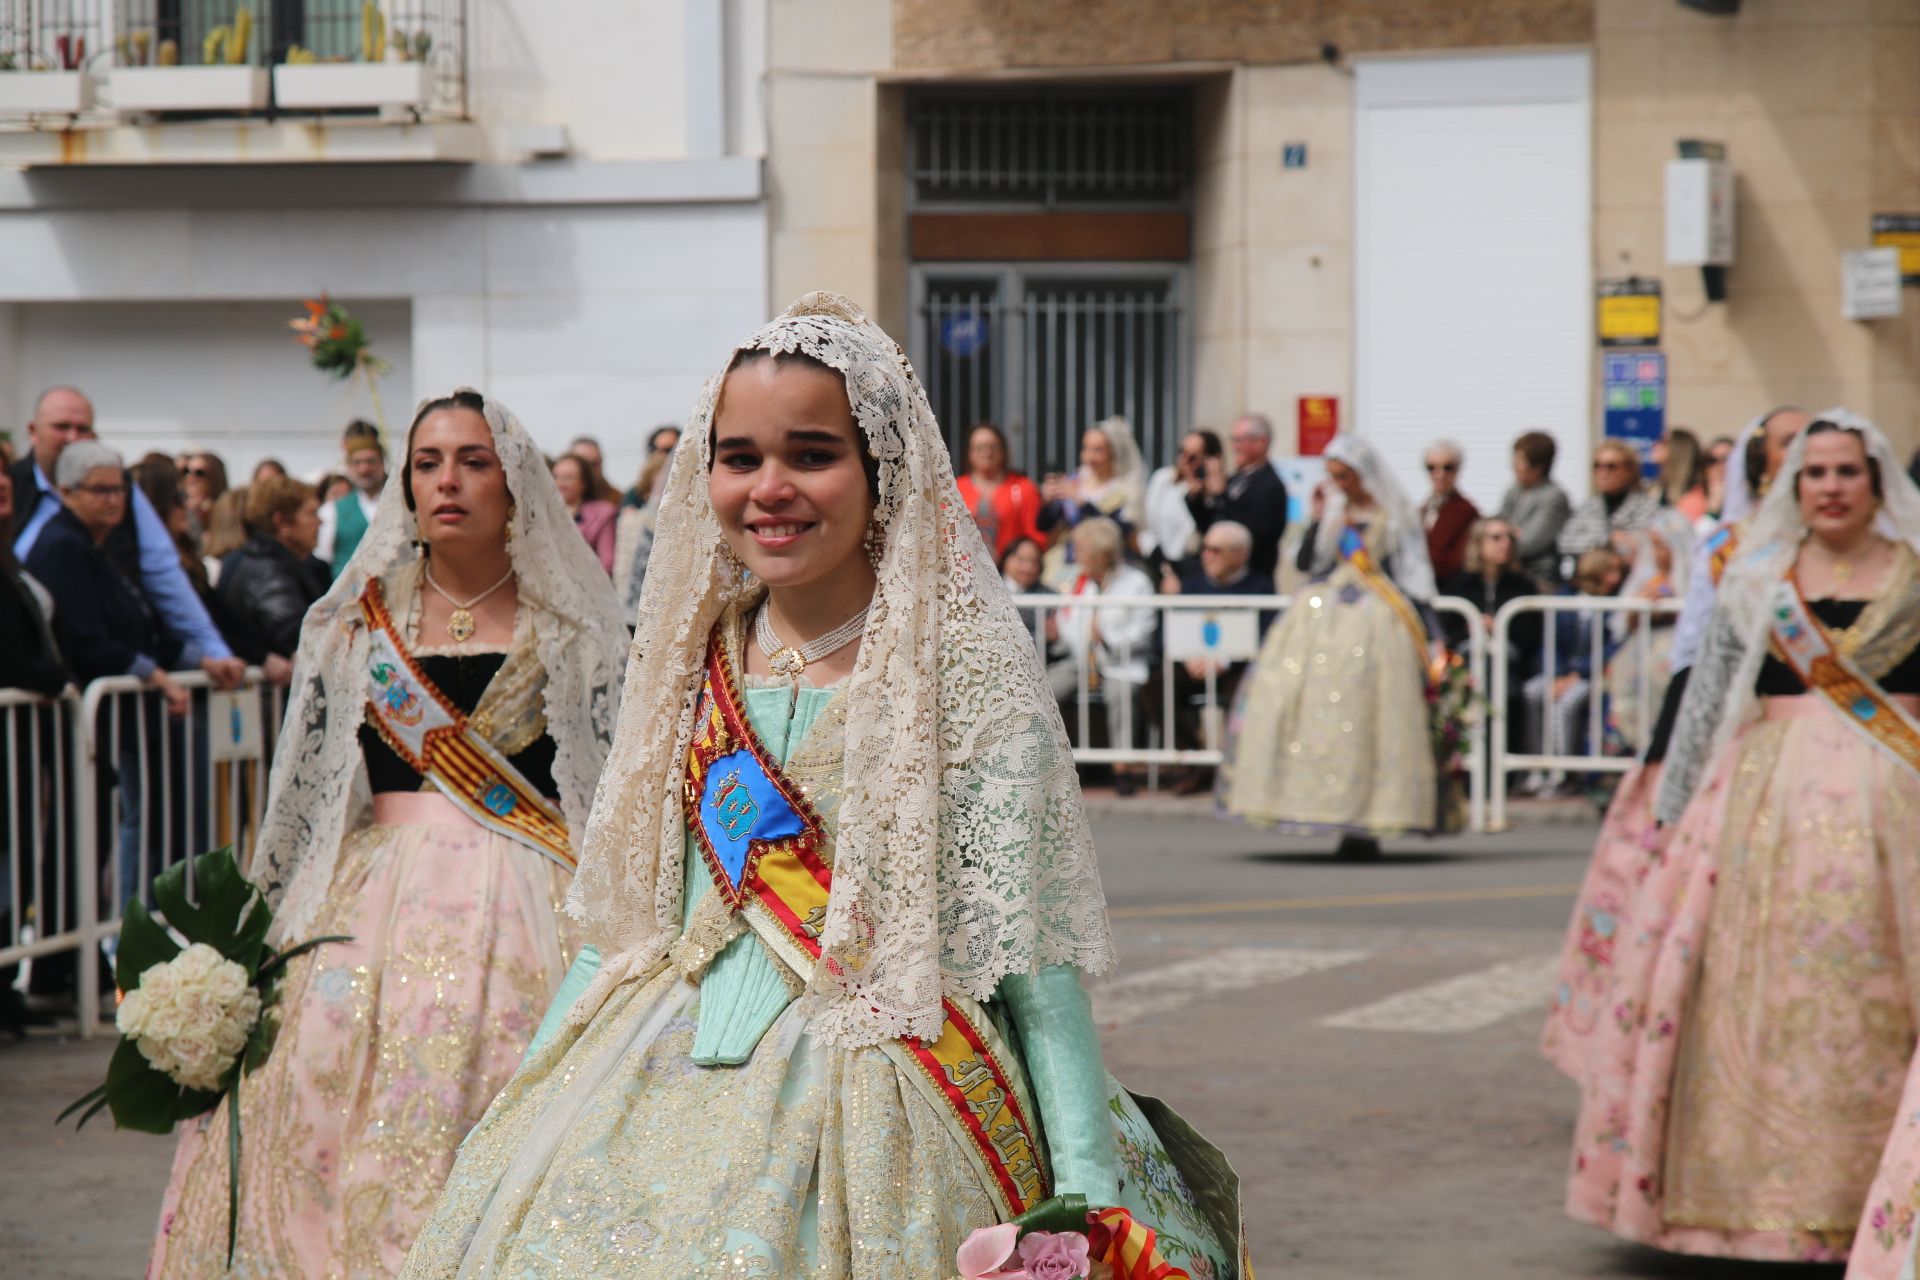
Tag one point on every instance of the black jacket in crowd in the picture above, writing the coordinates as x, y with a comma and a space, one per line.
1256, 498
1525, 632
103, 621
32, 658
267, 590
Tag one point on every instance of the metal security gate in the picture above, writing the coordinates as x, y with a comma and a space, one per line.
1047, 351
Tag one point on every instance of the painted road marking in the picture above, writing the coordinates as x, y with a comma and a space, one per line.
1348, 900
1466, 1003
1152, 991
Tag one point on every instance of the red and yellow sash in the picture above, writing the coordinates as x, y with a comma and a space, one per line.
1720, 550
430, 733
1353, 550
782, 885
1806, 646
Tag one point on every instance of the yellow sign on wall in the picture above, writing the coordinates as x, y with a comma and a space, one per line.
1900, 231
1629, 313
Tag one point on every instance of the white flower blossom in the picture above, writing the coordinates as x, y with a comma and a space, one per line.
191, 1016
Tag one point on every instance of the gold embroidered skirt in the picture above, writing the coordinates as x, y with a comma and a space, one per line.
1331, 727
613, 1153
391, 1046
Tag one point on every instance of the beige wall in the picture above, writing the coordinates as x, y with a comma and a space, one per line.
974, 35
827, 178
1273, 247
1819, 105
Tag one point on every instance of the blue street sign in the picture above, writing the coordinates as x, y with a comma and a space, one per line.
1634, 401
964, 333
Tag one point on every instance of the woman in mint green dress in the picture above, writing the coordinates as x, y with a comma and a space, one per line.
839, 888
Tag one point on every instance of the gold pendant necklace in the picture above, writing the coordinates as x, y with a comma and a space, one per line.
460, 623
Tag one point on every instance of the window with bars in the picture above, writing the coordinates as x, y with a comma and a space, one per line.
1047, 352
1050, 148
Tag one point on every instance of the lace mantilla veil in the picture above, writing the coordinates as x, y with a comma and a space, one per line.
1720, 695
319, 788
1406, 534
963, 852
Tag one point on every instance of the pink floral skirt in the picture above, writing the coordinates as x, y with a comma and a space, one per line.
1741, 1107
1615, 916
390, 1049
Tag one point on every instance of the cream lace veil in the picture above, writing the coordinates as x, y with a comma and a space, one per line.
1129, 471
1406, 533
1720, 695
319, 788
963, 853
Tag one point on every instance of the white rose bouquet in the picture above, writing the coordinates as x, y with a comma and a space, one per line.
193, 1015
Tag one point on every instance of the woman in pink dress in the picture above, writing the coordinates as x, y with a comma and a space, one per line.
453, 700
1619, 919
1741, 1107
583, 490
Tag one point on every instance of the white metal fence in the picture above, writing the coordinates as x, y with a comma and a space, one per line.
105, 790
1640, 619
1220, 630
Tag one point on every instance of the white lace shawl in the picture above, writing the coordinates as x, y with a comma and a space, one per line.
319, 793
1720, 697
1405, 535
1736, 503
963, 853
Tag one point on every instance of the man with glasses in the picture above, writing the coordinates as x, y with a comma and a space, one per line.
139, 545
1621, 504
1448, 514
1253, 496
1225, 569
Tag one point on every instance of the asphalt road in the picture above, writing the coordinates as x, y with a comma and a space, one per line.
1359, 1036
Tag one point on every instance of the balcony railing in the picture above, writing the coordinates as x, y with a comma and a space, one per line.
99, 60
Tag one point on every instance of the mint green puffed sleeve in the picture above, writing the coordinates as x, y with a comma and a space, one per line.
585, 965
1054, 1018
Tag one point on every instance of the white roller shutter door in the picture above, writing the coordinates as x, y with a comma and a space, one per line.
1473, 292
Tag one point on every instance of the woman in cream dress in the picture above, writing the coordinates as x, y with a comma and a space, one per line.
1330, 733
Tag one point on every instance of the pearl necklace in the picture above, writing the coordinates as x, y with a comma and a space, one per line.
790, 660
460, 621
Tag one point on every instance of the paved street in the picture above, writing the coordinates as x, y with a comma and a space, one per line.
1359, 1036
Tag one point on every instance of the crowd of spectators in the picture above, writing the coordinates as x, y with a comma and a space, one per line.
1212, 522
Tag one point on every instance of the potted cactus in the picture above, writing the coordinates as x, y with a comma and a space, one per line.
222, 78
45, 76
391, 72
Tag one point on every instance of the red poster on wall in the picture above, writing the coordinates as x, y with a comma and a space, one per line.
1319, 424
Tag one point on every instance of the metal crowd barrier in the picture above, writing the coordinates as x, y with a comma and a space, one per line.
1555, 754
106, 791
1216, 629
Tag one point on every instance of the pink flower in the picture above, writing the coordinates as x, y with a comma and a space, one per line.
982, 1254
1050, 1255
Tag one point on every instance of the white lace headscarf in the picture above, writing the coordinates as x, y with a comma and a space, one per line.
963, 853
1736, 504
1720, 697
319, 791
1406, 533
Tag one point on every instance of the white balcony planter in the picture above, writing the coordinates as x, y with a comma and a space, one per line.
29, 93
188, 88
323, 86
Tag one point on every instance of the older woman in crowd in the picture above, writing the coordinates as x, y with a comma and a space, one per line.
1447, 513
580, 488
1535, 507
1620, 504
1111, 643
271, 581
1004, 503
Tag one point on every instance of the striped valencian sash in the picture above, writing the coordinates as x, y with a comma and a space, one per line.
1807, 647
429, 732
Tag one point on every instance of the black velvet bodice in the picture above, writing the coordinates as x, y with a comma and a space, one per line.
463, 678
1777, 679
